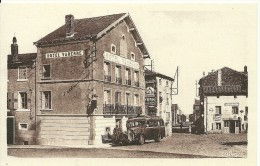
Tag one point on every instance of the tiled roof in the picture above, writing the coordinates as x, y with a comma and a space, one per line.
222, 89
23, 58
94, 28
84, 28
156, 74
232, 83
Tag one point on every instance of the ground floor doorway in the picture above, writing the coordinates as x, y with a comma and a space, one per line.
10, 130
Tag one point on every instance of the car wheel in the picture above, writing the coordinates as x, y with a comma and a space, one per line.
141, 139
158, 139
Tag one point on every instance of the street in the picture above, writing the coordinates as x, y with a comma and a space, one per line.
179, 145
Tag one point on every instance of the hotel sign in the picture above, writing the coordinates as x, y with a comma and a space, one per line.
231, 104
120, 60
64, 54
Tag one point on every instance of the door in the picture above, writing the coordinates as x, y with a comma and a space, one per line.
10, 130
232, 126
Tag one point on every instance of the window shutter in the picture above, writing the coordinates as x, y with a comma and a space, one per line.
40, 100
28, 101
15, 101
9, 100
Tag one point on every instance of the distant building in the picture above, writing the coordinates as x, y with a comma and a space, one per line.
197, 110
158, 97
224, 96
174, 110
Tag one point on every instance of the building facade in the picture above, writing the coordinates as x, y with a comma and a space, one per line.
21, 117
224, 95
158, 97
88, 77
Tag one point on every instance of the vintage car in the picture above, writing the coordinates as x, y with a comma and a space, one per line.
142, 128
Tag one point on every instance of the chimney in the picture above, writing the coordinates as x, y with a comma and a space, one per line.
14, 49
204, 73
219, 78
245, 69
14, 46
69, 25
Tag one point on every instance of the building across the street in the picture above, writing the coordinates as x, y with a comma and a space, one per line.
224, 96
21, 117
158, 97
87, 78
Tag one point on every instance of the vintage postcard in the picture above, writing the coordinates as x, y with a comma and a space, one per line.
137, 83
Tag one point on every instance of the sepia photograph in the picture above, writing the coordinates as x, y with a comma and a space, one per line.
147, 83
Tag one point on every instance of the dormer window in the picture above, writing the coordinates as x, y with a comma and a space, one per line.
113, 49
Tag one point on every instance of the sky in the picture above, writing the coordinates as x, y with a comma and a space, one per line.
196, 37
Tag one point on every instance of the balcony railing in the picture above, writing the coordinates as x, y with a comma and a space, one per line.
110, 109
128, 82
118, 80
107, 78
136, 83
217, 117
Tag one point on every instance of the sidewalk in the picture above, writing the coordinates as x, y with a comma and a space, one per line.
57, 147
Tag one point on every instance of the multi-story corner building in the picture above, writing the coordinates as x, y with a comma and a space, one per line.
158, 98
21, 117
90, 77
224, 95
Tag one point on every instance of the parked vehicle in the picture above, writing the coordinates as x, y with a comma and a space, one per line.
142, 128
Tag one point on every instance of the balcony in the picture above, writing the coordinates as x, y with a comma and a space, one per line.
118, 80
107, 78
217, 117
137, 83
115, 109
128, 82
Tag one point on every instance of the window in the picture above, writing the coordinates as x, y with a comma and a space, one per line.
160, 97
118, 98
46, 100
107, 97
166, 83
136, 78
107, 76
22, 100
167, 99
132, 56
235, 110
22, 73
118, 75
113, 49
226, 123
127, 99
127, 76
160, 81
23, 126
136, 100
46, 71
246, 110
218, 126
218, 109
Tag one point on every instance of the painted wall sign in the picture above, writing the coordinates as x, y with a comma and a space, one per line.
120, 60
231, 104
64, 54
150, 96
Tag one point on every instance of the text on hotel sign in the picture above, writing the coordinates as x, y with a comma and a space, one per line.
64, 54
